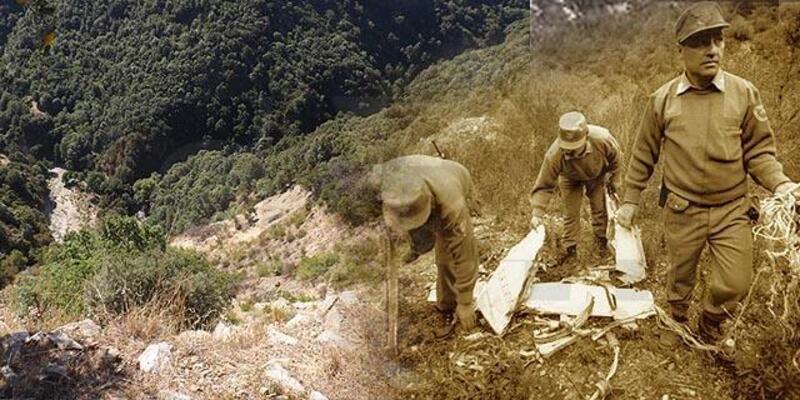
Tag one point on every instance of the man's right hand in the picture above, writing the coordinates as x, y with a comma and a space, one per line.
625, 215
536, 222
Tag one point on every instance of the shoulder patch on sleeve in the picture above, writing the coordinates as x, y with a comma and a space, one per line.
760, 113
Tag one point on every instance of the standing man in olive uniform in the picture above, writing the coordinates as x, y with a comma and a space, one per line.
429, 199
711, 130
584, 158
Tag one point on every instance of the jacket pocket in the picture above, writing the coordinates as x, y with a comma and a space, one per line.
726, 144
676, 203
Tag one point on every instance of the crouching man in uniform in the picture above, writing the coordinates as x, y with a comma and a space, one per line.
583, 159
428, 199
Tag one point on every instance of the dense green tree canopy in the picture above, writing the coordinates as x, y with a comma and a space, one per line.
23, 199
128, 84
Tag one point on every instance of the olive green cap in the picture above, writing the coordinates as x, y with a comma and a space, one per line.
699, 17
572, 130
406, 200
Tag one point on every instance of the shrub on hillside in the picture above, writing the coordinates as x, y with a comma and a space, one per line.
10, 265
124, 281
316, 266
123, 265
361, 263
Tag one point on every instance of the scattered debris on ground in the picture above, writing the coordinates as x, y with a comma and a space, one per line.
500, 297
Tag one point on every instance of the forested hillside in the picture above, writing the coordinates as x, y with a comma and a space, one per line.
23, 225
129, 82
128, 88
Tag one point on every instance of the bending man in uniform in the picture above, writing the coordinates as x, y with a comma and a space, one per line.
711, 131
584, 158
428, 198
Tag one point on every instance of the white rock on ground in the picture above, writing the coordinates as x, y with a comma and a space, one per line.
281, 303
85, 330
302, 305
333, 320
315, 395
277, 337
64, 342
298, 321
156, 357
349, 298
334, 339
170, 395
277, 374
222, 331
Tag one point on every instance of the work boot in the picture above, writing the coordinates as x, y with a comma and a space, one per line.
569, 252
411, 256
680, 313
711, 332
709, 328
601, 244
449, 321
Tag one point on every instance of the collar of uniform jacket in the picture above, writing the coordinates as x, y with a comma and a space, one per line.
585, 152
684, 85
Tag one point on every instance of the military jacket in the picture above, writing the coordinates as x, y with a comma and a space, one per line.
710, 140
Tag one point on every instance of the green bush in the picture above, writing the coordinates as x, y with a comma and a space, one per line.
10, 265
123, 265
316, 266
361, 263
298, 217
278, 231
269, 268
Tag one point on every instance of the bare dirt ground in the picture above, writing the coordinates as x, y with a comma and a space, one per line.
69, 209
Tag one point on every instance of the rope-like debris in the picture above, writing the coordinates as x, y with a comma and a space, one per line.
778, 227
604, 385
683, 331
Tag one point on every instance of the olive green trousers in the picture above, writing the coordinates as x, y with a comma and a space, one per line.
725, 230
572, 195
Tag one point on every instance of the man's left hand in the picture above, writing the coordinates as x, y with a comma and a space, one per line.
789, 187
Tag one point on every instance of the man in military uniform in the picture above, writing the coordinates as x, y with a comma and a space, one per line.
428, 199
584, 158
711, 130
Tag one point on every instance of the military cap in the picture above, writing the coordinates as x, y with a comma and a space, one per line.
699, 17
572, 130
406, 200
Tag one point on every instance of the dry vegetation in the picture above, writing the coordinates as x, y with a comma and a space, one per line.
605, 68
